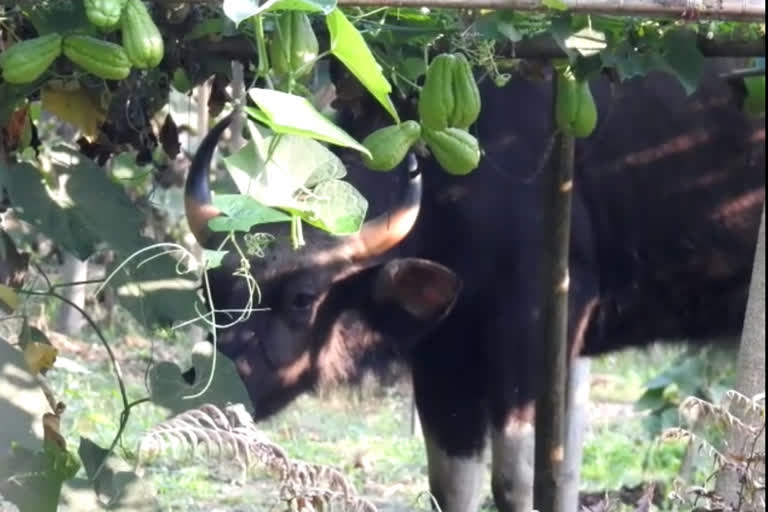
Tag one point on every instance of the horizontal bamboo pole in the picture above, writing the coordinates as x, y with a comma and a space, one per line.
545, 47
736, 10
537, 47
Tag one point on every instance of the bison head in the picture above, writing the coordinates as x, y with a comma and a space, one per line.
324, 312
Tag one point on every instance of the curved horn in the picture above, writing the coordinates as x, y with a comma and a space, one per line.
380, 234
197, 191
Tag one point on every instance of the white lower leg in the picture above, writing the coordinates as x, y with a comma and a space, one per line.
513, 466
455, 482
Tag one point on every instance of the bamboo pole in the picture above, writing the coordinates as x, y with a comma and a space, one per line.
548, 484
537, 47
735, 10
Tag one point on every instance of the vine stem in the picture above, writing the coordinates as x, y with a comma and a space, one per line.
125, 413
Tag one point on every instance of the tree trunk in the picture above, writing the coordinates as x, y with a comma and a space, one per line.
751, 381
69, 320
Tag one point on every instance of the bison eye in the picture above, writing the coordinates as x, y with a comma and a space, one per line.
303, 301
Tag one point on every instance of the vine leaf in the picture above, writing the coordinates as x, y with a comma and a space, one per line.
297, 175
586, 41
33, 480
157, 293
33, 204
117, 486
348, 45
168, 388
93, 211
291, 114
557, 5
61, 16
629, 62
755, 102
337, 207
242, 212
683, 57
75, 106
9, 300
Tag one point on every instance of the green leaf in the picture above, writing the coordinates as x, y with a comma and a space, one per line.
243, 212
181, 81
226, 386
586, 41
291, 114
348, 45
97, 210
156, 293
213, 259
33, 480
279, 171
165, 382
273, 169
628, 62
683, 57
61, 16
32, 203
557, 5
101, 205
337, 207
240, 10
117, 485
413, 68
509, 31
754, 104
652, 399
12, 96
22, 402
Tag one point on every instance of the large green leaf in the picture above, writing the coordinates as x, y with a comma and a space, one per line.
273, 169
349, 46
101, 205
337, 207
295, 174
629, 62
755, 101
586, 41
117, 486
96, 211
157, 294
32, 203
32, 480
291, 114
59, 16
22, 401
12, 96
683, 57
243, 212
168, 388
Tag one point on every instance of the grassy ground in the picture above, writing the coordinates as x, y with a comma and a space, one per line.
366, 434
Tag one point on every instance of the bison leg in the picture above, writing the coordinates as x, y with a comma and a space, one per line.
454, 480
512, 463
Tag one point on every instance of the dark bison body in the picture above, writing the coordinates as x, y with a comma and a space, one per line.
667, 200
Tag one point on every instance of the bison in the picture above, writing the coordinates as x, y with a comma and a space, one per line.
667, 199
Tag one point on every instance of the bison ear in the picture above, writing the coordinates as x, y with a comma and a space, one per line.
425, 290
